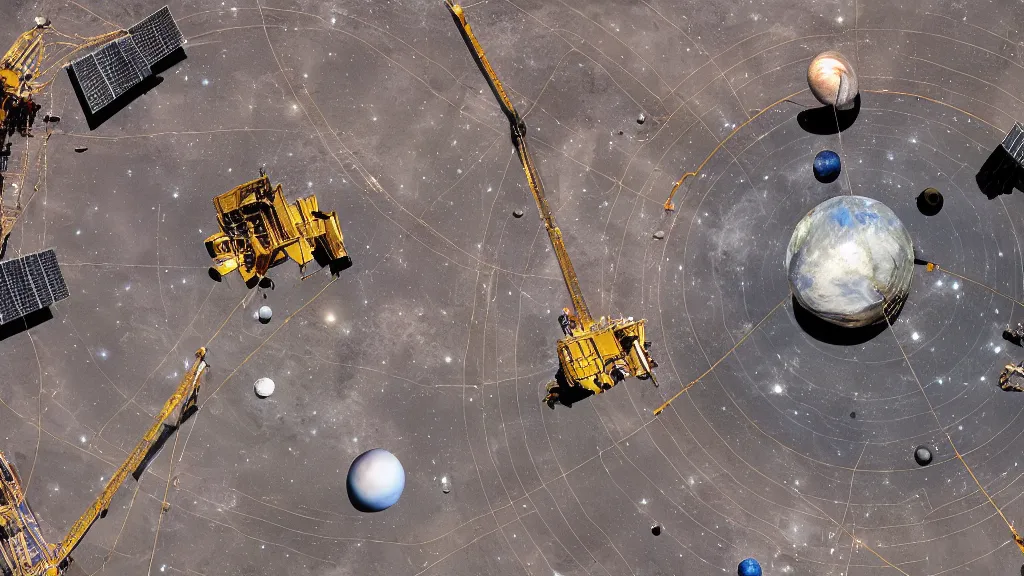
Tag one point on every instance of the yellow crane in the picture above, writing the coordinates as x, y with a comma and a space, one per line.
23, 551
25, 71
593, 355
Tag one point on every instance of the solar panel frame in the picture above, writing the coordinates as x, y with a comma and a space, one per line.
29, 284
38, 278
1014, 143
54, 277
8, 310
20, 285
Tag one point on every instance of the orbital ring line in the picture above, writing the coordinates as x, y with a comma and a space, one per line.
668, 201
949, 438
729, 352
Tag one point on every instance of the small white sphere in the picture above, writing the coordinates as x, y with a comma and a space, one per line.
265, 314
264, 387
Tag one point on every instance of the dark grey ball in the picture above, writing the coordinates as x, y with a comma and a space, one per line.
923, 455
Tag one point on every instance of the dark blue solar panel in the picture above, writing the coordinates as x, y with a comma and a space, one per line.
1014, 143
94, 87
120, 65
30, 283
157, 36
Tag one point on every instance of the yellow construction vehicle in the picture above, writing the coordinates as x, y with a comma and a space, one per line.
594, 355
259, 229
1012, 377
23, 551
19, 68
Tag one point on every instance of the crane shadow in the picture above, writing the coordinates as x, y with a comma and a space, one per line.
166, 431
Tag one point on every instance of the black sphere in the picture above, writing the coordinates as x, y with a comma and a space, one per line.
656, 529
923, 455
929, 202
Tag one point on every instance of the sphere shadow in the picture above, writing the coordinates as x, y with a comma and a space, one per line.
829, 333
827, 177
827, 120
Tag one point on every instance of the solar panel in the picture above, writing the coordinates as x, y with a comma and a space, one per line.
116, 69
157, 36
122, 64
29, 284
1014, 143
95, 89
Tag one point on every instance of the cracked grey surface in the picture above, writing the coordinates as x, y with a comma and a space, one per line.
436, 345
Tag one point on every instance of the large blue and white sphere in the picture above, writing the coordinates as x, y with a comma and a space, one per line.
850, 261
375, 480
749, 567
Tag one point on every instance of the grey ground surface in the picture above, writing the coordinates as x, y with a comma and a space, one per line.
437, 343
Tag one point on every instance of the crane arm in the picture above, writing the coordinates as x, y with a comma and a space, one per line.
518, 129
185, 395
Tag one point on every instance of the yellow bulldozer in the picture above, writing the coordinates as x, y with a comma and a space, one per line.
594, 355
259, 229
23, 551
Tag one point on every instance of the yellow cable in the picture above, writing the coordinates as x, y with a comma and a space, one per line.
668, 203
659, 409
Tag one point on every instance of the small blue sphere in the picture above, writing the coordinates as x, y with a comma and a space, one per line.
749, 567
375, 480
827, 166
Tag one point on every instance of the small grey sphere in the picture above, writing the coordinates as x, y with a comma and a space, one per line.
832, 80
850, 261
923, 455
265, 314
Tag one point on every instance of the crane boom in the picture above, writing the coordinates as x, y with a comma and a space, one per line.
187, 392
518, 128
